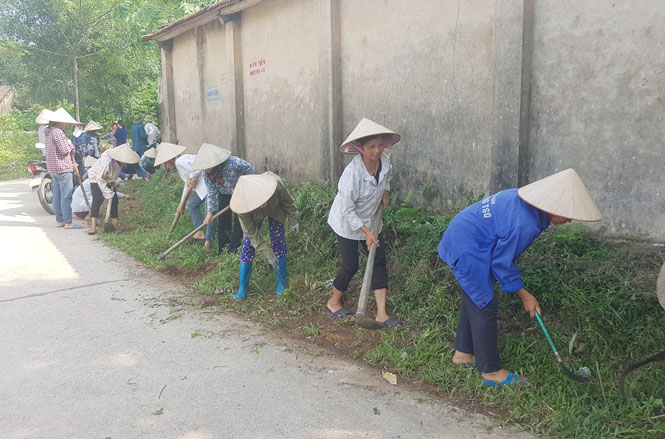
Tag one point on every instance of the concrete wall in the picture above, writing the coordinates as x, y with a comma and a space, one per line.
280, 87
423, 69
200, 81
597, 104
487, 94
214, 77
187, 95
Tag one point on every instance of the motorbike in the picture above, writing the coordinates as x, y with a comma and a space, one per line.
42, 182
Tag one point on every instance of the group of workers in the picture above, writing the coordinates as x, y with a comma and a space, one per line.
480, 245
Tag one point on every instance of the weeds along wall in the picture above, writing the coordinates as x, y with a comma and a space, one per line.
487, 94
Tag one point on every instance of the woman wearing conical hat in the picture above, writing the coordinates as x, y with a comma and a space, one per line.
255, 198
60, 162
91, 143
148, 161
103, 175
222, 171
363, 186
481, 244
172, 157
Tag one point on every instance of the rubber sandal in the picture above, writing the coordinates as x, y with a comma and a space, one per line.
90, 232
391, 324
510, 379
340, 313
74, 227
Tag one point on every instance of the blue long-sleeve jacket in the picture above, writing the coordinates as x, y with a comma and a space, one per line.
139, 139
483, 241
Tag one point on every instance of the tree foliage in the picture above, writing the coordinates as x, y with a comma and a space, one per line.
117, 73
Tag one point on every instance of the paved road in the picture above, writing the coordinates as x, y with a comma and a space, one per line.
87, 352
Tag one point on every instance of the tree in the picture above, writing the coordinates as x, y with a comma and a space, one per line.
86, 51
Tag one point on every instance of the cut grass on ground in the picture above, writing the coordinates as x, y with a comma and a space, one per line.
596, 292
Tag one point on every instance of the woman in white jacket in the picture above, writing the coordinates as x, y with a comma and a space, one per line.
103, 175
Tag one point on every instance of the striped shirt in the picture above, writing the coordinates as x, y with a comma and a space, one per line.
59, 152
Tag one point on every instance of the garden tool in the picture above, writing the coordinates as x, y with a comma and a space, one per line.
189, 235
180, 207
660, 292
109, 227
559, 360
361, 320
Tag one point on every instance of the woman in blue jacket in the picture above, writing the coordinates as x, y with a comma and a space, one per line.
481, 244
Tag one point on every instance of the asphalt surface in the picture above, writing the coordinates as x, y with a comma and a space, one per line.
90, 348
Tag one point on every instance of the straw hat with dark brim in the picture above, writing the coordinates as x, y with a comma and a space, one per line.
210, 156
92, 126
167, 151
366, 128
43, 116
562, 194
251, 192
151, 152
124, 153
61, 115
89, 161
660, 286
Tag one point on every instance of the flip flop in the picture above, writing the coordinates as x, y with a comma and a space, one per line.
340, 313
90, 232
392, 324
74, 227
510, 379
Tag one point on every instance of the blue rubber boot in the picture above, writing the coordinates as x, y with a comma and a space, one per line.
245, 273
281, 280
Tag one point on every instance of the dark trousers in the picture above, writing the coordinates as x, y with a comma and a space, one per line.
476, 333
98, 199
348, 249
229, 232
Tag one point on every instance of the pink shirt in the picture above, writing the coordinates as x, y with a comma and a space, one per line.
59, 152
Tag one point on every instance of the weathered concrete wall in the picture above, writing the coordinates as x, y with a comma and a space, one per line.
423, 69
214, 80
187, 91
200, 82
487, 93
597, 104
280, 87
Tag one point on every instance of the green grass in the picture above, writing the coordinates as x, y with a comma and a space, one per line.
17, 143
17, 148
596, 292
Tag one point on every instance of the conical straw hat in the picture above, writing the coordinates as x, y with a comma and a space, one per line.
252, 191
210, 156
167, 151
43, 117
660, 286
89, 161
92, 126
366, 128
61, 115
124, 153
562, 194
151, 152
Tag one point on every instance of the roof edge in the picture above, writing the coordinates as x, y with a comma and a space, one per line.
199, 18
